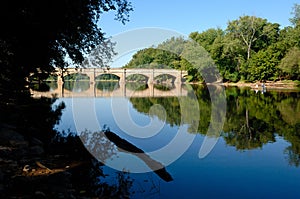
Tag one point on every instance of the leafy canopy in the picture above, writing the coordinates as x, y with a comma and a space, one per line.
41, 34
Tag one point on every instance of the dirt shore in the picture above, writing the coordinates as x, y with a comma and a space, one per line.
268, 85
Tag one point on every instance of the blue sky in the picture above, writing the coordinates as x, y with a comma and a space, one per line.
186, 16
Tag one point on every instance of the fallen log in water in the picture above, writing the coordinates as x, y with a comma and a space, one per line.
127, 147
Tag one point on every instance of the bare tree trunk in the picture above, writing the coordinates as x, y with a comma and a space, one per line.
249, 51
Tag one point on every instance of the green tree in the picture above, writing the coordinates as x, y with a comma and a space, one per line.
253, 32
290, 64
200, 62
295, 20
41, 34
174, 45
222, 50
207, 38
229, 56
290, 37
153, 58
263, 65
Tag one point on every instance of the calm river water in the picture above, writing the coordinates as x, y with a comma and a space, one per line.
256, 156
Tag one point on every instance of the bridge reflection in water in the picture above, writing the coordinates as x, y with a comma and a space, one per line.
120, 89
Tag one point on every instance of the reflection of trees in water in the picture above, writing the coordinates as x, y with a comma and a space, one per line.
107, 85
174, 112
290, 109
76, 77
136, 86
254, 120
249, 134
164, 86
77, 86
174, 108
98, 145
170, 104
247, 125
292, 157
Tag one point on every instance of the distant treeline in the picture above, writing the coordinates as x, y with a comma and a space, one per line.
249, 49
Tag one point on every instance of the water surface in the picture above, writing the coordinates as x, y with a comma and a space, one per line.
257, 155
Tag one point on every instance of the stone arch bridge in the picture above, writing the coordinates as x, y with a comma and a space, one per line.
122, 90
92, 73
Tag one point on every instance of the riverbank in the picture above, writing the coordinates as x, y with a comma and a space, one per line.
290, 85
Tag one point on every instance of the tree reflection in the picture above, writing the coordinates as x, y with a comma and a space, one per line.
76, 86
107, 85
292, 156
98, 145
252, 119
173, 107
136, 86
164, 86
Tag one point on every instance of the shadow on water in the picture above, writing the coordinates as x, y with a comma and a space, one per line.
126, 146
105, 144
36, 162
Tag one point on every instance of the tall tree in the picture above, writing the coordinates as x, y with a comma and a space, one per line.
251, 30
